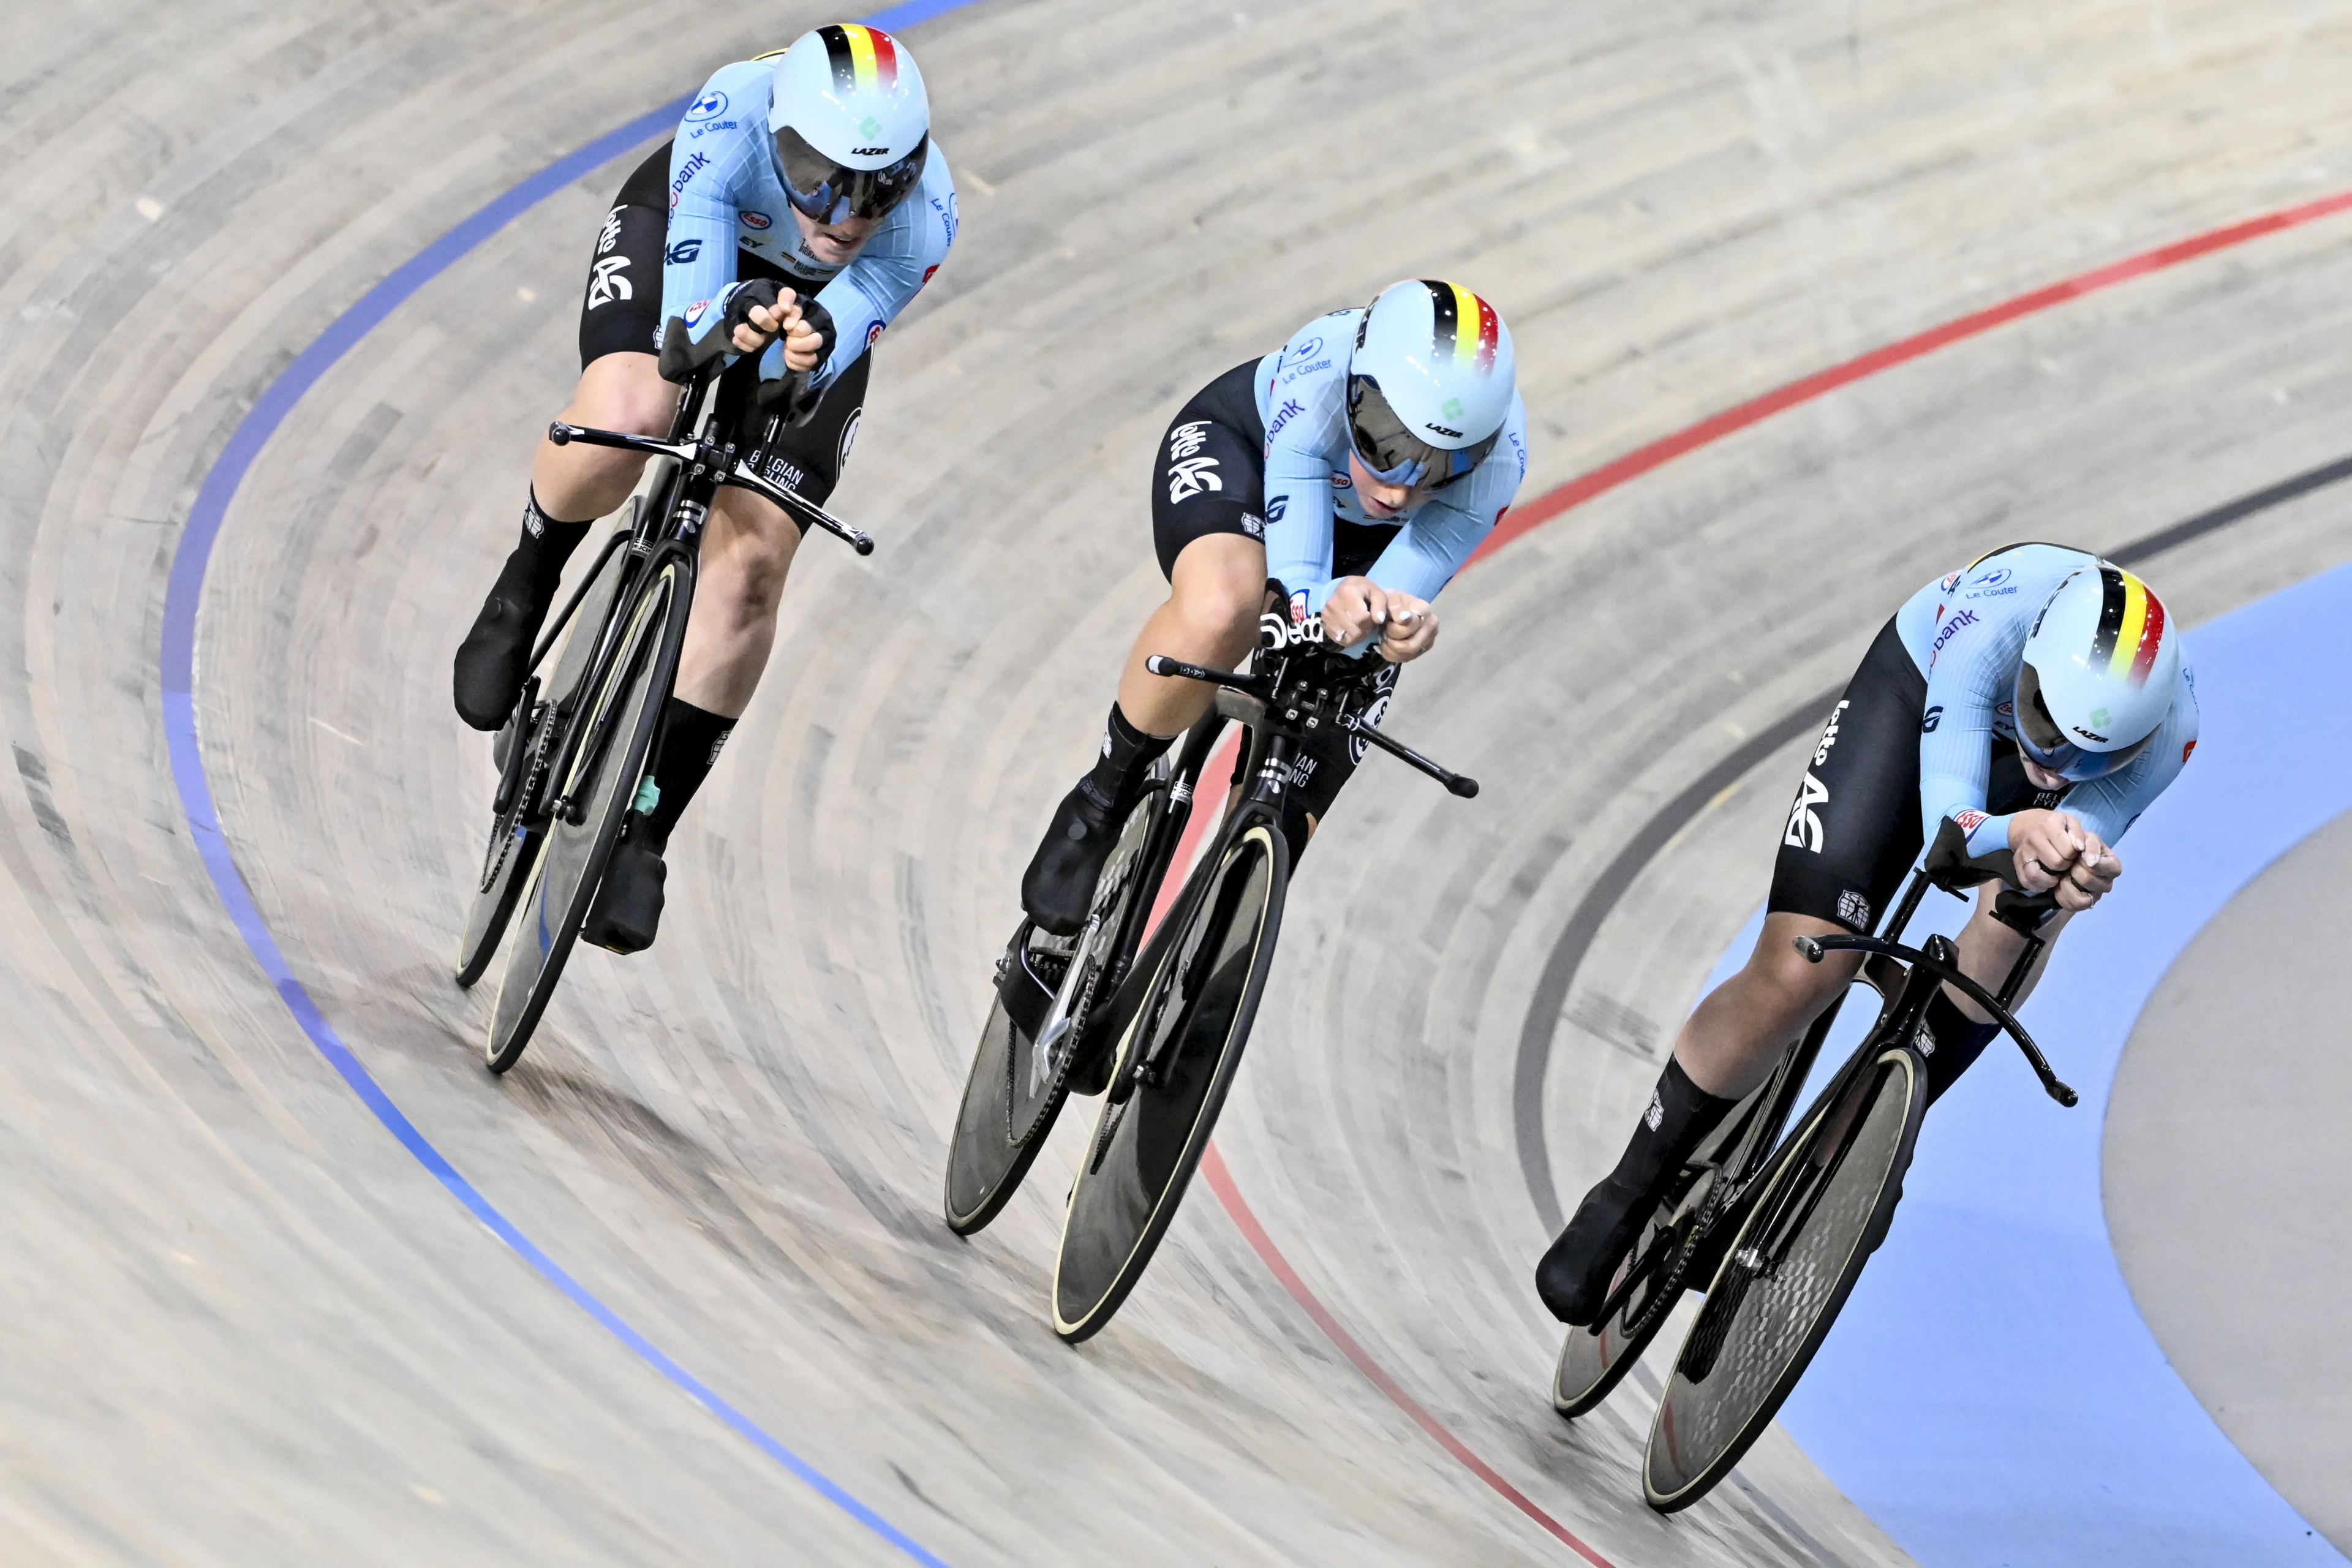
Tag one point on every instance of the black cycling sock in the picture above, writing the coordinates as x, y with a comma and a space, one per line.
1959, 1040
1127, 753
1679, 1115
683, 752
536, 563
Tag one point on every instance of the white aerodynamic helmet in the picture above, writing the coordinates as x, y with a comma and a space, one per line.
852, 122
2098, 674
1430, 383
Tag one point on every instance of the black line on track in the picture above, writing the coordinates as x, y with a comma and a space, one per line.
1533, 1065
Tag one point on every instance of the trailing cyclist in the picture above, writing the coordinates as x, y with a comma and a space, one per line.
1359, 465
2019, 715
799, 208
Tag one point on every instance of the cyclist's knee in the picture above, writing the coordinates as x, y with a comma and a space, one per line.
1220, 608
1799, 984
623, 391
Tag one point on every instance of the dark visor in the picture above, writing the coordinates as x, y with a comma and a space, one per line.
829, 190
2047, 746
1394, 455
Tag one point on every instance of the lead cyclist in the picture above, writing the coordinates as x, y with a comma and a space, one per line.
2019, 714
799, 208
1359, 465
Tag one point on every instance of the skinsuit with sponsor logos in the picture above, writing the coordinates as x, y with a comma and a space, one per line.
1357, 466
800, 207
2021, 714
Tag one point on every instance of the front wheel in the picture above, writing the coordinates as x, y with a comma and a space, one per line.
1179, 1052
618, 719
1824, 1211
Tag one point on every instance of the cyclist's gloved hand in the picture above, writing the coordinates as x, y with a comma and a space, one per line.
707, 331
756, 311
788, 370
1359, 608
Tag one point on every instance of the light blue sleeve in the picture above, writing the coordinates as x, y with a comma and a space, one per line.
1975, 654
1442, 532
1298, 514
698, 264
868, 294
2108, 806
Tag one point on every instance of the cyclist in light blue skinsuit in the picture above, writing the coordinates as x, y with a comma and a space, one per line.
799, 209
727, 201
2018, 714
1314, 510
1359, 465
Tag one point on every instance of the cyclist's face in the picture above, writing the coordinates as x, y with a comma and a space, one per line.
836, 244
2041, 777
1380, 501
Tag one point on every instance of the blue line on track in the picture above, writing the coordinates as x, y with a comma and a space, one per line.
184, 594
1991, 1396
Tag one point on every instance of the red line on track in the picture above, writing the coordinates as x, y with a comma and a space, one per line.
1221, 1182
1575, 493
1641, 459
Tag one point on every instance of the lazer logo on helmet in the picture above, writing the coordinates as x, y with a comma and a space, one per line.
867, 151
1443, 430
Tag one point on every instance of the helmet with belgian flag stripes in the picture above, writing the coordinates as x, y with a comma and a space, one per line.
2098, 674
1429, 384
851, 119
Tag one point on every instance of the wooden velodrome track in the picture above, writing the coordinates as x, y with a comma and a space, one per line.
246, 1327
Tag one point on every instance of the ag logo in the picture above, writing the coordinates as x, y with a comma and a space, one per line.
1451, 409
1804, 826
684, 250
2099, 717
870, 127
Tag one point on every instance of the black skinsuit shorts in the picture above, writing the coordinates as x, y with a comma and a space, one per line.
1853, 830
1208, 477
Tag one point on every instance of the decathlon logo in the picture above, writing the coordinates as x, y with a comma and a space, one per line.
1276, 633
605, 283
1804, 826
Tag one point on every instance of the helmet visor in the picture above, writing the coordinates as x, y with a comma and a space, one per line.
1394, 454
829, 190
2046, 745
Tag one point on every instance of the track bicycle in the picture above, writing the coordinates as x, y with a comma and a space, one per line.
574, 759
1778, 1228
1156, 1022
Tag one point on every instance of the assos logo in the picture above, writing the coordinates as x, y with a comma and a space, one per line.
754, 220
709, 106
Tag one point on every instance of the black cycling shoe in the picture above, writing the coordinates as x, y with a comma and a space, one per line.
496, 656
628, 906
1574, 1275
1058, 888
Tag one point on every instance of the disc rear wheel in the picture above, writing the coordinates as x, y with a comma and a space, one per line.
519, 831
1016, 1090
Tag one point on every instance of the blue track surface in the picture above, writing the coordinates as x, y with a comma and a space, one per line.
183, 597
1990, 1395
